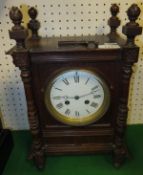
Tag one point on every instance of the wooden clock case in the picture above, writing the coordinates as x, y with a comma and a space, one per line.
39, 58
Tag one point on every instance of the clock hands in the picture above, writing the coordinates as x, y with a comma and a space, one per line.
84, 95
76, 97
62, 97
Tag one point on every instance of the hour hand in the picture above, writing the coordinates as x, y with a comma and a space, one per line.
62, 97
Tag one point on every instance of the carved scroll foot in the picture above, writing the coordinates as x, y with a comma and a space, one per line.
38, 156
119, 155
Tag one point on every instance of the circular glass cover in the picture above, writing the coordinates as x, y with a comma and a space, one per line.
77, 97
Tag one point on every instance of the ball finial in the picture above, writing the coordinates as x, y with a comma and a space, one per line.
132, 28
32, 13
114, 9
133, 12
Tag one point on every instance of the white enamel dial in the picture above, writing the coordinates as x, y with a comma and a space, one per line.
77, 97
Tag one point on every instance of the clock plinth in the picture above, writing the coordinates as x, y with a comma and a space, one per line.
109, 56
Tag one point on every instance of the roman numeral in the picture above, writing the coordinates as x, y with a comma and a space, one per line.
96, 96
54, 82
76, 113
94, 105
67, 112
59, 105
76, 77
87, 111
58, 89
57, 97
94, 88
66, 81
87, 81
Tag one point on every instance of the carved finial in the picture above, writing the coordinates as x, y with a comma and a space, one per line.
133, 12
16, 17
18, 32
33, 24
114, 9
114, 21
132, 29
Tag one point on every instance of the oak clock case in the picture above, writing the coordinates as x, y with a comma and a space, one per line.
76, 88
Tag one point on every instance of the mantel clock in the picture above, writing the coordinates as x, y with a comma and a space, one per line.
76, 87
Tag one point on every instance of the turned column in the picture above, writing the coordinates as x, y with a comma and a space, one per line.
21, 59
130, 56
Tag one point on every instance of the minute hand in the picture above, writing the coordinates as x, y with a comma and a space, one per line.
84, 95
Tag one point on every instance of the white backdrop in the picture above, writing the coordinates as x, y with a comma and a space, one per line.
61, 17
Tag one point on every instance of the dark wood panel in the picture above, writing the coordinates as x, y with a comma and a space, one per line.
69, 149
44, 72
78, 56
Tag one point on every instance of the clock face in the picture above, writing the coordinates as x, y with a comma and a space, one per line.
77, 97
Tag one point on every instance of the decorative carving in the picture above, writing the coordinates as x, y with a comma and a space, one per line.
120, 150
22, 60
130, 56
50, 131
16, 17
132, 29
18, 32
114, 21
33, 24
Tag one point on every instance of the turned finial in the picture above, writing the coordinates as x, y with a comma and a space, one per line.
114, 9
133, 12
16, 17
114, 21
132, 28
18, 32
33, 24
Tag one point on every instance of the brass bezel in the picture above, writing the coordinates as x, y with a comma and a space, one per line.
72, 121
